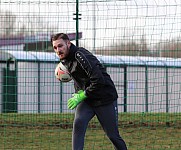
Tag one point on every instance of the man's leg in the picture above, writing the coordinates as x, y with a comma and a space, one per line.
108, 117
84, 113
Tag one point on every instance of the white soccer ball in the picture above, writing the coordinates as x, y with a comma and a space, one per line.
62, 74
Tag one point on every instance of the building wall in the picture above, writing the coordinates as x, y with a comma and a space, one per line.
40, 92
53, 94
174, 90
117, 75
136, 89
27, 87
156, 88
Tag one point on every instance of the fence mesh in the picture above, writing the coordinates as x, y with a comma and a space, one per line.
139, 43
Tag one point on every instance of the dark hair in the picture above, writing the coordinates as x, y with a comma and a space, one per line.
59, 36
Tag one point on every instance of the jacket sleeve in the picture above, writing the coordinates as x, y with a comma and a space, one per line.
76, 87
93, 70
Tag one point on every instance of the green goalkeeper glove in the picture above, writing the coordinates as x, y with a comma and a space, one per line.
76, 99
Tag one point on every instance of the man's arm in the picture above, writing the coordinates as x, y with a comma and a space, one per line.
91, 66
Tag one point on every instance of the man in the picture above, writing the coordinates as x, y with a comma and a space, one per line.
95, 92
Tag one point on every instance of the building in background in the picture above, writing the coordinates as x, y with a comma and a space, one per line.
40, 42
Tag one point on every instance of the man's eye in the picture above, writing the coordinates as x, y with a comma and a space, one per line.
58, 46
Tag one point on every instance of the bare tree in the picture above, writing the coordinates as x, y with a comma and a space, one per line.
143, 48
171, 48
8, 22
23, 30
31, 24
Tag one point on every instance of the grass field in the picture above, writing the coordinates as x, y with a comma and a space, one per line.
143, 131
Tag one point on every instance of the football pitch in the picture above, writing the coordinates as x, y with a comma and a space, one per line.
142, 131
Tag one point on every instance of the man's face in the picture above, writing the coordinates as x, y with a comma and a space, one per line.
61, 48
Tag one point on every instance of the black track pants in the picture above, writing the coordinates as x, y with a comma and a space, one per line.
107, 116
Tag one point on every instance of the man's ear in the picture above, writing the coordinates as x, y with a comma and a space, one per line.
68, 44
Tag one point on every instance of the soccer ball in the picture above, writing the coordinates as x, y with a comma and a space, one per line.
62, 74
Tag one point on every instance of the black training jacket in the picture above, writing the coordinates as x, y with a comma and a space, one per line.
90, 75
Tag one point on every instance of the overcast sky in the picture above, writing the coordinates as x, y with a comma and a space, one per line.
106, 21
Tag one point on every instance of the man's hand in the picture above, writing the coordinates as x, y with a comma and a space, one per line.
76, 99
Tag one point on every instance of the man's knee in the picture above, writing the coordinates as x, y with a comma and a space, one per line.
79, 123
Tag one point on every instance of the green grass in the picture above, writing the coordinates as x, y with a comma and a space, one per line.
142, 131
